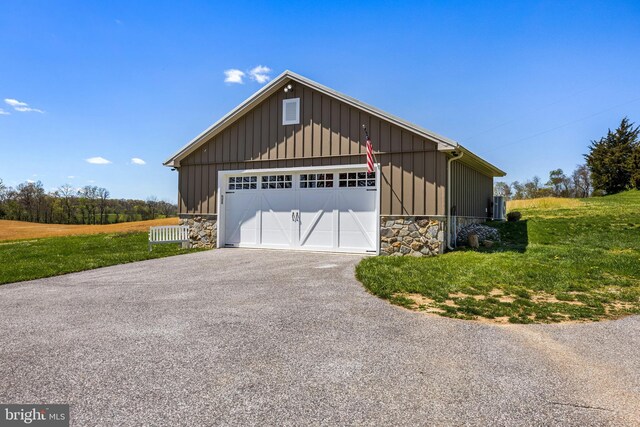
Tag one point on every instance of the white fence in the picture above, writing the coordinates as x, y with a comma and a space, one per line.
168, 234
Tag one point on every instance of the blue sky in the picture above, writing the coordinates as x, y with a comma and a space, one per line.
526, 85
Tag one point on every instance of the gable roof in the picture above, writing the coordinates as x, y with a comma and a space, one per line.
444, 144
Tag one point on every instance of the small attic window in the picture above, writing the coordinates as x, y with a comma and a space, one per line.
291, 111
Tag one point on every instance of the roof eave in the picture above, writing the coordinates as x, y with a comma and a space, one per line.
477, 162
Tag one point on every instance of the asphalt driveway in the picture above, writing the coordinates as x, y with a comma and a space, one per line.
241, 337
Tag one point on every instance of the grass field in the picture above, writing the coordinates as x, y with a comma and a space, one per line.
15, 230
565, 260
52, 256
28, 250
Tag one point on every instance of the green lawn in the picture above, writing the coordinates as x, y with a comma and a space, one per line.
579, 262
33, 259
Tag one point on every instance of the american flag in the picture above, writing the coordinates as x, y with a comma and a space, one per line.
369, 155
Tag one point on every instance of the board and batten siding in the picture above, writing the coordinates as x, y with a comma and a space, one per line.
330, 133
471, 191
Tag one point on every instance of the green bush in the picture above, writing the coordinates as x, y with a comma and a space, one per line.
514, 216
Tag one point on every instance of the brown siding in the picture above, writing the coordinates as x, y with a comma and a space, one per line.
471, 191
330, 133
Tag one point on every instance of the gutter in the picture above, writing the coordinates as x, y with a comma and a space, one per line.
451, 160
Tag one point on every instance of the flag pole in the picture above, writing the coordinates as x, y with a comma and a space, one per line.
366, 134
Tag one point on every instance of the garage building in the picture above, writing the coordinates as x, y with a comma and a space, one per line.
287, 169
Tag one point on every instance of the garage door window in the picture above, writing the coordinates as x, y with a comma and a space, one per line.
357, 179
243, 182
316, 180
272, 182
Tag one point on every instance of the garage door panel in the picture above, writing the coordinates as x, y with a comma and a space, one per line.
316, 218
241, 225
357, 219
277, 225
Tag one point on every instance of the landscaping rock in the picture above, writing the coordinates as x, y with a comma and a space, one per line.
484, 232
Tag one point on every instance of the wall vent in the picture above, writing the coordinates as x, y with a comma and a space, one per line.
291, 111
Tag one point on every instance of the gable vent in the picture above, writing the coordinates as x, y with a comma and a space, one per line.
291, 111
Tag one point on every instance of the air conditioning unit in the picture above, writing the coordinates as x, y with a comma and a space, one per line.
499, 208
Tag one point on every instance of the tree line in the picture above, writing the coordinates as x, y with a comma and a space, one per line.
68, 205
612, 165
578, 184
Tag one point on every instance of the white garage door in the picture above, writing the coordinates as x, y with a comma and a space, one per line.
320, 210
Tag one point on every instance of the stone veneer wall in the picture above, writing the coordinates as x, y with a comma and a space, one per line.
203, 230
414, 236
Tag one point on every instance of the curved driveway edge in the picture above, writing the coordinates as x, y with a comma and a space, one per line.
291, 338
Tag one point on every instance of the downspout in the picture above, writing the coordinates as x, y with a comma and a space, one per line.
451, 160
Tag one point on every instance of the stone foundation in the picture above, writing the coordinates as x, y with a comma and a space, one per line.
414, 236
203, 230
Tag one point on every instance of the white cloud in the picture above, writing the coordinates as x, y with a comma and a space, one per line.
260, 74
233, 76
28, 110
30, 181
4, 113
20, 106
15, 103
71, 177
91, 181
98, 161
137, 161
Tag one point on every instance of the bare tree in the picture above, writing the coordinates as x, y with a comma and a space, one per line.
502, 189
30, 198
3, 191
532, 189
102, 195
559, 183
152, 203
67, 194
518, 190
167, 209
581, 178
88, 196
4, 195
